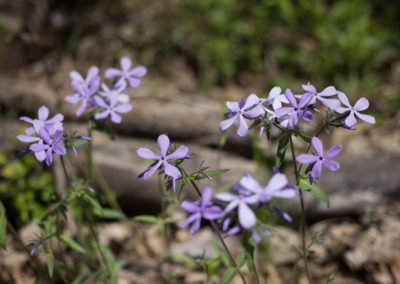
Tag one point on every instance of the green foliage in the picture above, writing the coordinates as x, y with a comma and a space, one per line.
313, 188
3, 225
282, 147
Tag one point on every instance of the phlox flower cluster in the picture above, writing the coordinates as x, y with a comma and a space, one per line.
103, 100
286, 109
235, 211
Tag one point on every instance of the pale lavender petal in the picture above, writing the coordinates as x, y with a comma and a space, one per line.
275, 91
40, 156
333, 151
233, 106
331, 165
126, 63
56, 119
250, 184
309, 88
232, 205
101, 115
147, 154
235, 230
82, 108
76, 76
189, 206
247, 218
113, 98
43, 113
38, 147
342, 109
365, 117
72, 99
255, 112
27, 139
138, 71
223, 125
305, 100
93, 72
318, 146
101, 103
134, 82
225, 196
251, 100
206, 196
112, 73
26, 119
243, 128
283, 111
306, 158
179, 153
195, 227
289, 95
361, 104
286, 193
212, 213
45, 136
343, 98
350, 119
151, 170
49, 157
116, 118
328, 91
293, 120
123, 108
331, 103
163, 143
190, 219
171, 170
278, 181
316, 170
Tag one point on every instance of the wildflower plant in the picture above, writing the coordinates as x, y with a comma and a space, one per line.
243, 211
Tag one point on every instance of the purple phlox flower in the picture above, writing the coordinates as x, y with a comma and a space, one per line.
198, 210
122, 97
43, 121
354, 111
296, 110
277, 187
322, 96
228, 228
247, 218
84, 89
131, 76
321, 158
163, 159
276, 98
47, 145
111, 107
250, 108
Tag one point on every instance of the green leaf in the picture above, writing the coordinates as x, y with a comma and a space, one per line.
110, 214
213, 265
313, 188
50, 262
282, 147
186, 260
241, 258
3, 225
214, 172
249, 248
228, 275
147, 219
72, 244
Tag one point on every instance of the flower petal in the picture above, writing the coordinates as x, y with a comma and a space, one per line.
223, 125
151, 170
126, 63
316, 170
278, 181
247, 218
328, 91
115, 117
123, 108
206, 196
43, 113
171, 170
331, 165
317, 145
225, 196
147, 154
112, 73
330, 103
361, 104
243, 128
138, 71
365, 117
343, 98
350, 119
163, 143
189, 206
333, 151
306, 158
179, 153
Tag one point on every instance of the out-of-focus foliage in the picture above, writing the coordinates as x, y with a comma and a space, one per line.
26, 186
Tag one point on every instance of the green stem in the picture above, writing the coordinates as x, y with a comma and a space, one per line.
302, 214
103, 257
218, 233
89, 158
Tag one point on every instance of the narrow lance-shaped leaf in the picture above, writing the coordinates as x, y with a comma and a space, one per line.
71, 243
313, 188
282, 147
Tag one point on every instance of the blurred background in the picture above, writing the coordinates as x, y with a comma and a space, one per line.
200, 53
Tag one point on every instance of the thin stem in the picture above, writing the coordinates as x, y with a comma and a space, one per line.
103, 257
221, 239
89, 161
302, 214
